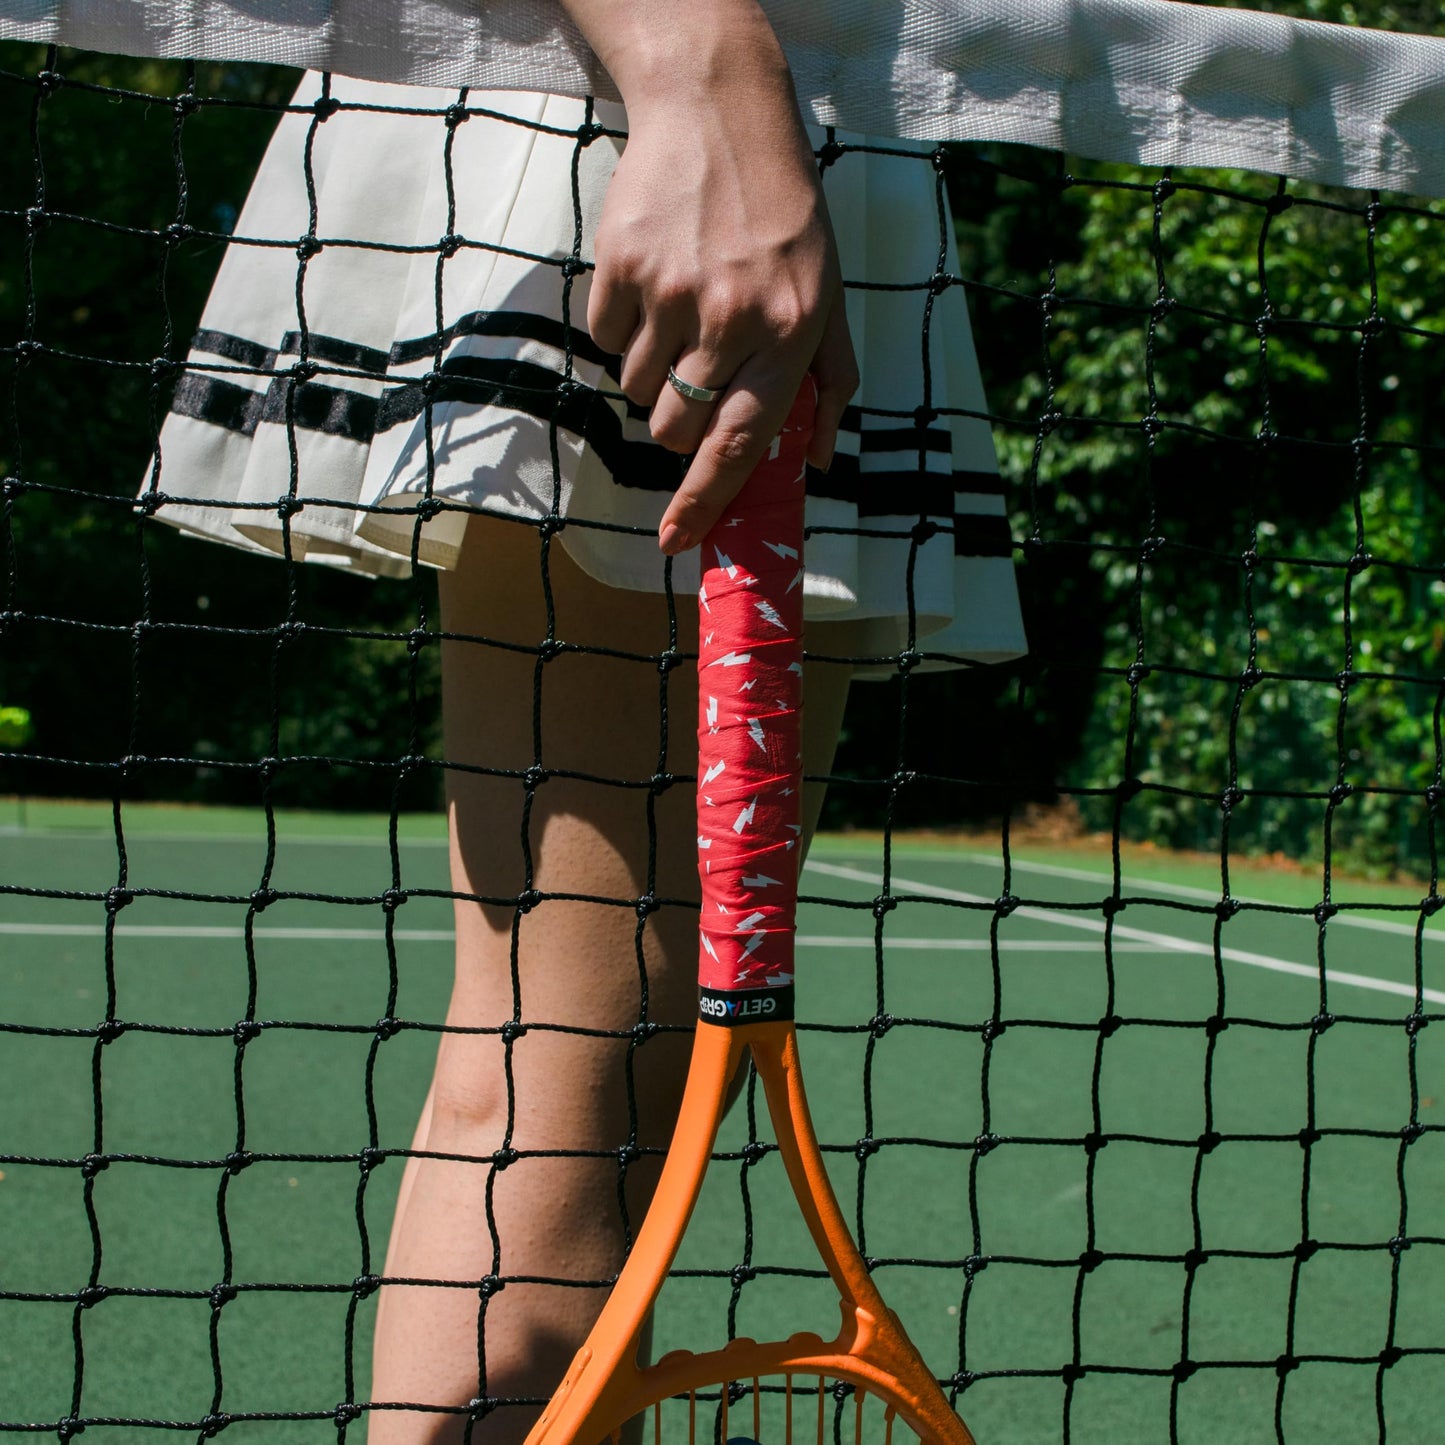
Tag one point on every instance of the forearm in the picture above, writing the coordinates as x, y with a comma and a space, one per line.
669, 52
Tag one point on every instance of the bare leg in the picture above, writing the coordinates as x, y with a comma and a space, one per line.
577, 965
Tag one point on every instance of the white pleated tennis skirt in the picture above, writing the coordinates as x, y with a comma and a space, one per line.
355, 398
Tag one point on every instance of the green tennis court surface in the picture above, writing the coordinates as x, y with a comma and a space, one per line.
1101, 1223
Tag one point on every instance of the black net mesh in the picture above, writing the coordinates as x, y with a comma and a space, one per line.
1124, 953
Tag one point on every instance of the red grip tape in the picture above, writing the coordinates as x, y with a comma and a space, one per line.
749, 755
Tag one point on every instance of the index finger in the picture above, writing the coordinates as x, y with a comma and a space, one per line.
748, 417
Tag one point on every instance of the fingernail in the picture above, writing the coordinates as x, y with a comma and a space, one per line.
672, 539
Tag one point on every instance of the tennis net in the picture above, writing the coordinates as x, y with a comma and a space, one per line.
1127, 978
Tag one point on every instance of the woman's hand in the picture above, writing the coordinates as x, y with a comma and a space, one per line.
714, 255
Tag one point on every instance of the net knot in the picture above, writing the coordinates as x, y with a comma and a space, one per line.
449, 245
1409, 1133
1343, 680
974, 1265
387, 1028
880, 1023
1215, 1025
393, 899
490, 1284
574, 266
457, 114
307, 247
754, 1152
37, 217
1194, 1258
177, 232
1284, 1364
1415, 1022
1433, 795
903, 778
1109, 1025
161, 367
986, 1144
840, 1390
222, 1294
829, 153
1398, 1245
939, 282
993, 1029
1183, 1369
1127, 788
1095, 1141
907, 661
1279, 203
92, 1165
504, 1158
91, 1295
1162, 307
550, 649
1321, 1022
1360, 561
1005, 904
511, 1031
1323, 912
244, 1030
49, 81
1164, 187
1113, 906
370, 1158
628, 1154
347, 1412
1306, 1250
1391, 1355
1309, 1137
646, 905
643, 1030
1072, 1374
883, 905
865, 1149
590, 131
118, 898
110, 1030
1226, 908
924, 529
324, 107
960, 1380
262, 898
1209, 1141
69, 1428
365, 1285
742, 1274
237, 1160
1230, 799
186, 103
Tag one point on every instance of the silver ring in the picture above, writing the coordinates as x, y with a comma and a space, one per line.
691, 392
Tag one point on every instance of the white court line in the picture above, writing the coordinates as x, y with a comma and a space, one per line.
445, 935
1183, 890
1063, 919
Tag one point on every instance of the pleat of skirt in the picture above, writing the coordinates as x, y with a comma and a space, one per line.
396, 340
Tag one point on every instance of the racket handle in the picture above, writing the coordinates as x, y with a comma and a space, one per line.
749, 763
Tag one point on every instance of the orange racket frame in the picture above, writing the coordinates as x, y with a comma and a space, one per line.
605, 1386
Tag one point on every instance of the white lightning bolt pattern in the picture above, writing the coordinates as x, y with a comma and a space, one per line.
755, 732
769, 613
745, 818
796, 667
712, 714
734, 521
707, 944
775, 450
749, 685
796, 827
702, 598
727, 564
703, 842
733, 659
797, 577
746, 925
754, 943
781, 549
761, 880
714, 771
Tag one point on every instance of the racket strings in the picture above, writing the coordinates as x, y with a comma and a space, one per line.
788, 1410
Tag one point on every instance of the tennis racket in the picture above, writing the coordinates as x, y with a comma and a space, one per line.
749, 777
